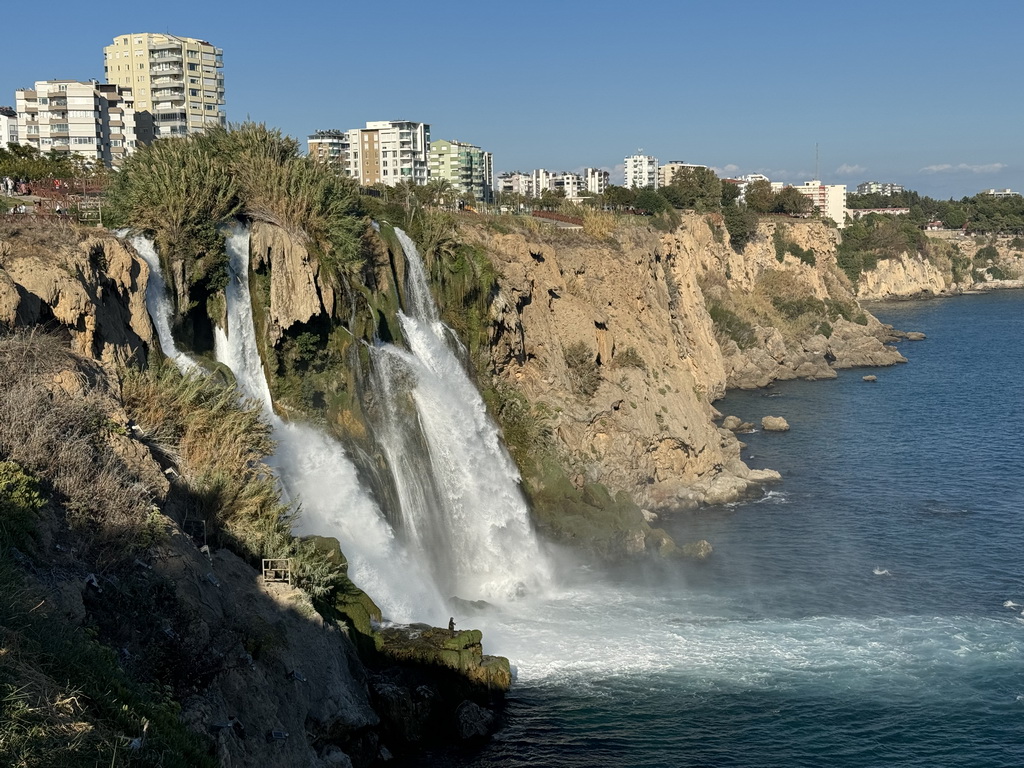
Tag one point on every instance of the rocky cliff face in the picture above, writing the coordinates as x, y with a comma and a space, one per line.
954, 264
637, 305
84, 282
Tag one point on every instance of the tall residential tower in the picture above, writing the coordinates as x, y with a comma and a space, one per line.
177, 80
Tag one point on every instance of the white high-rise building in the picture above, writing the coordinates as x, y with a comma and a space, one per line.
596, 180
389, 151
829, 199
90, 120
177, 80
641, 171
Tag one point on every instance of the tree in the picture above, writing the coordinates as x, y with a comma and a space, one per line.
619, 197
790, 201
651, 202
759, 197
698, 188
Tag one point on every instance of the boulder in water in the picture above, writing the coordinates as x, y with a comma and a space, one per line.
915, 336
698, 550
473, 721
774, 424
870, 377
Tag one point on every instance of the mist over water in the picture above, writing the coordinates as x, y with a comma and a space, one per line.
866, 612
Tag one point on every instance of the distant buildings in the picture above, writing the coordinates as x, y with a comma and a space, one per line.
858, 213
384, 152
8, 126
668, 171
469, 169
829, 199
998, 192
90, 120
330, 148
877, 188
596, 180
176, 80
641, 171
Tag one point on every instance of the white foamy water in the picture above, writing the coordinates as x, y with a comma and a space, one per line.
315, 471
158, 302
470, 520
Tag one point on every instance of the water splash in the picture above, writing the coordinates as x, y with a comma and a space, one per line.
314, 469
158, 302
461, 501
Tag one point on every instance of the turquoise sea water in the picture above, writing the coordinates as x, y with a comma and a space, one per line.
866, 612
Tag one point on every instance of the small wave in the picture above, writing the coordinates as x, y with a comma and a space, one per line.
1011, 604
881, 572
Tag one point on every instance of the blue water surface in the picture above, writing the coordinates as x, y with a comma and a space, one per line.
866, 612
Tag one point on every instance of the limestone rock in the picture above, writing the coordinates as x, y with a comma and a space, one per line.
870, 377
774, 424
698, 550
915, 336
91, 283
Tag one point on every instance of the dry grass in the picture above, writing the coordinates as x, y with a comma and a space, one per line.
56, 426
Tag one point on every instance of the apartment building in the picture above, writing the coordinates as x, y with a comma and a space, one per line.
641, 171
595, 180
8, 126
877, 188
516, 183
389, 151
469, 169
668, 171
331, 148
178, 81
93, 121
829, 199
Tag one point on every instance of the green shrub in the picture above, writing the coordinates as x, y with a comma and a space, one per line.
20, 504
584, 375
629, 357
731, 325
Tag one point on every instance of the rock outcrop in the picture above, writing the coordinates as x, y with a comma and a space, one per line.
638, 308
86, 283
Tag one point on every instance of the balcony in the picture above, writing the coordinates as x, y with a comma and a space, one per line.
167, 69
173, 55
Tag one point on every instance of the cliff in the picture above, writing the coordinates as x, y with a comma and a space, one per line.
952, 263
86, 283
661, 323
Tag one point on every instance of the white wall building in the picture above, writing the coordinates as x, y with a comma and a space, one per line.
874, 187
389, 151
8, 126
641, 171
95, 122
829, 199
596, 180
516, 183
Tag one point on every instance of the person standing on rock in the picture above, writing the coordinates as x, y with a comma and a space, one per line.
451, 624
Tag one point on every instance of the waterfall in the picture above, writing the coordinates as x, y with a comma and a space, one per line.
158, 303
312, 468
461, 503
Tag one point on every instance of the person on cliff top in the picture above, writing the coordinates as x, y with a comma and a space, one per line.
451, 624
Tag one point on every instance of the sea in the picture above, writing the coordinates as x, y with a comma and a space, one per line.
867, 611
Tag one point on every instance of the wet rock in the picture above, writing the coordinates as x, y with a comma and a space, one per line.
915, 336
870, 377
473, 721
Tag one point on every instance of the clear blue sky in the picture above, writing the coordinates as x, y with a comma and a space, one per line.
925, 94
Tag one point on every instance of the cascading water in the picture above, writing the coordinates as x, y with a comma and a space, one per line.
314, 469
159, 303
462, 506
